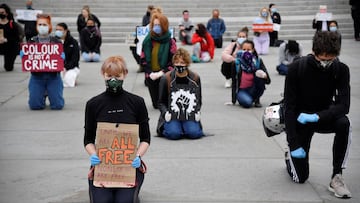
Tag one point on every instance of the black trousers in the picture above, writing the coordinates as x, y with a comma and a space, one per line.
218, 42
153, 86
9, 57
273, 37
298, 169
355, 14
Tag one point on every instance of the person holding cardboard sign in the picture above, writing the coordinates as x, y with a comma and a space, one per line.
46, 82
109, 113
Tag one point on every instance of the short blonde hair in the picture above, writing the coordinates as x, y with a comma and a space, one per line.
114, 65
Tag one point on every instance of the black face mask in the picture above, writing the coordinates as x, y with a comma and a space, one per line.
114, 85
180, 69
2, 16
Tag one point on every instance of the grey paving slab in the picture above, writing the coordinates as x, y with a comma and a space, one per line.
42, 158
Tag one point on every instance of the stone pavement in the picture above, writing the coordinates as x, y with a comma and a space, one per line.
42, 158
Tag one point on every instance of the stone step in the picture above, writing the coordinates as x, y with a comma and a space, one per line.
119, 18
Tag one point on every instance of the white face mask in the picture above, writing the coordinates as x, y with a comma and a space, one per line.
43, 30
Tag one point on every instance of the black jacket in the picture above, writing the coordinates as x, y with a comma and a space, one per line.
318, 25
81, 23
72, 52
310, 89
90, 40
164, 93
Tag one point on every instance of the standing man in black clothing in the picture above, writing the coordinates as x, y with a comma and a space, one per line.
317, 99
355, 14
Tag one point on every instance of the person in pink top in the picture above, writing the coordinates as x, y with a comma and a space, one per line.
249, 77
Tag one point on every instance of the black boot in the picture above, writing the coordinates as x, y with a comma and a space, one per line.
257, 103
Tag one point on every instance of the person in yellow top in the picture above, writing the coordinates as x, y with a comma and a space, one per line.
157, 51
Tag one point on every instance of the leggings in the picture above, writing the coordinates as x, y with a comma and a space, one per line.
116, 195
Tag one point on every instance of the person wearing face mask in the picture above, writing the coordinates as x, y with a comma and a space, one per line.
90, 42
118, 106
334, 27
157, 50
317, 99
84, 16
45, 84
276, 19
180, 100
9, 40
229, 54
249, 76
262, 38
72, 55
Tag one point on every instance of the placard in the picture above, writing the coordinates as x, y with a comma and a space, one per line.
141, 32
323, 16
27, 15
264, 27
1, 33
42, 57
116, 146
276, 27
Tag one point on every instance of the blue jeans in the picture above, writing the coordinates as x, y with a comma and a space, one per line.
91, 57
176, 129
247, 96
42, 84
282, 69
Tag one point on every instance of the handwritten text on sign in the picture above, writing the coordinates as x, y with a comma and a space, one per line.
42, 57
116, 147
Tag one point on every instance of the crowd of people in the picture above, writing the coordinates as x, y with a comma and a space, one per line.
176, 91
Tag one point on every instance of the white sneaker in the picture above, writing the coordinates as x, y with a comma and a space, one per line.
338, 187
228, 83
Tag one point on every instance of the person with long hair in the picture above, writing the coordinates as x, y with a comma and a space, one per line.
204, 47
9, 41
157, 51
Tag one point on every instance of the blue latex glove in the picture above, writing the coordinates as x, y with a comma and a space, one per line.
136, 162
63, 55
94, 160
298, 153
304, 118
21, 54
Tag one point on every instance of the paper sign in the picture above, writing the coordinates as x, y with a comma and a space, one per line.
42, 57
116, 146
141, 32
265, 27
276, 27
323, 16
27, 15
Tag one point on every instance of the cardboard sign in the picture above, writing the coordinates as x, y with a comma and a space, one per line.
42, 57
116, 146
1, 33
141, 32
265, 27
27, 15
